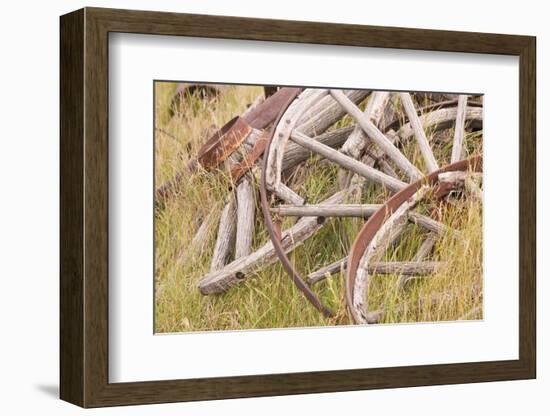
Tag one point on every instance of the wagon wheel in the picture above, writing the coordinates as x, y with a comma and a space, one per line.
225, 273
371, 153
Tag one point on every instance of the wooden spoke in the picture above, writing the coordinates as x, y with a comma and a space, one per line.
295, 154
456, 154
327, 210
419, 133
360, 211
348, 162
405, 268
287, 194
423, 252
377, 136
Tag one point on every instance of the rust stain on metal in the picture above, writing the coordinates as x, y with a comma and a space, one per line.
259, 118
224, 142
265, 113
371, 227
248, 161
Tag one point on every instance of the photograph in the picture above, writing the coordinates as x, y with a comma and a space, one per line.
291, 207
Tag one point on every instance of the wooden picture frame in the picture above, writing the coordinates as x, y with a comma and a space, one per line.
84, 207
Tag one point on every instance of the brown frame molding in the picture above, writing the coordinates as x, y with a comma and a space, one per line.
84, 207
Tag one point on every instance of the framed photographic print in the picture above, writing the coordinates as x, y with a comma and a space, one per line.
256, 207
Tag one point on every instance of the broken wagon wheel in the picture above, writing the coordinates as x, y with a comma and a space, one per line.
315, 121
369, 154
379, 225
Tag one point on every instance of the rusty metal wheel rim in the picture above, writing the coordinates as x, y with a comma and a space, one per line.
275, 232
375, 222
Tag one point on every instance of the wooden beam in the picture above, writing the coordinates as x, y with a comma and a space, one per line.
226, 236
246, 210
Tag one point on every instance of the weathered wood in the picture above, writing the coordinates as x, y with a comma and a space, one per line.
423, 252
361, 284
374, 156
360, 211
405, 268
287, 194
282, 133
458, 138
324, 272
245, 218
238, 270
391, 238
296, 154
357, 140
327, 210
410, 268
453, 180
232, 161
226, 236
250, 159
326, 112
377, 136
347, 162
419, 133
432, 225
391, 114
238, 159
426, 247
439, 119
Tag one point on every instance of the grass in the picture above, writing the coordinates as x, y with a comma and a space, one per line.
268, 299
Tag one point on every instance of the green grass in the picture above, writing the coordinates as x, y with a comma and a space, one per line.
268, 299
